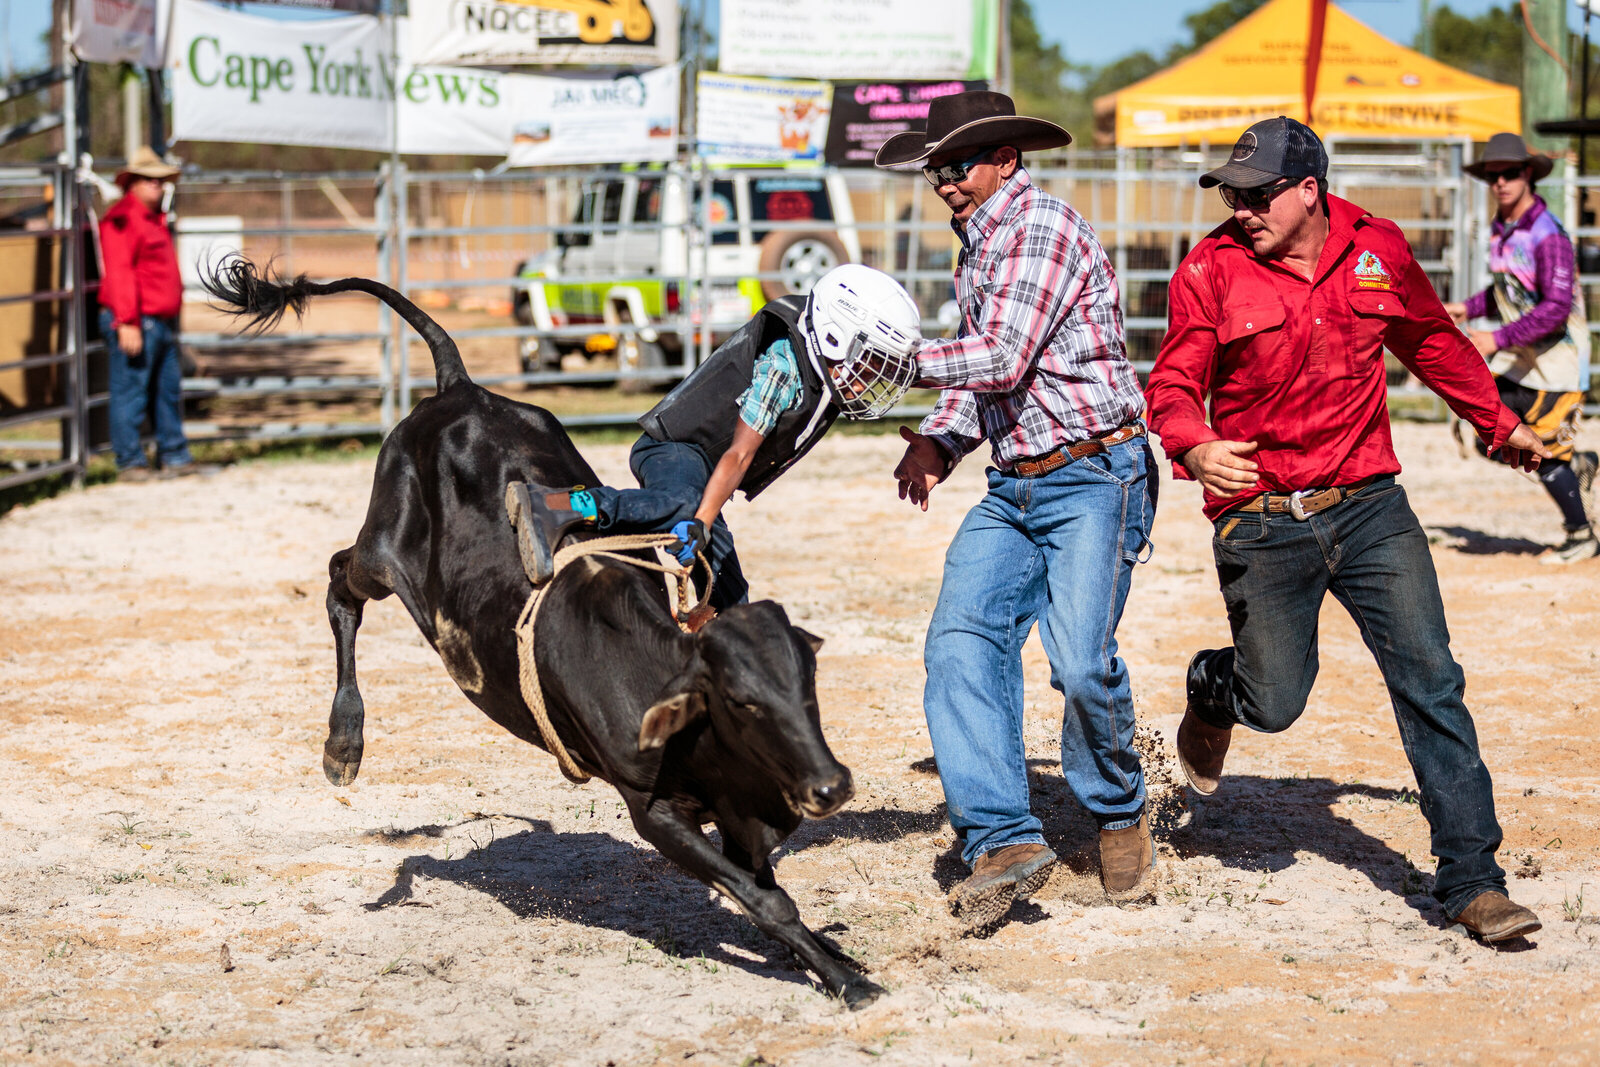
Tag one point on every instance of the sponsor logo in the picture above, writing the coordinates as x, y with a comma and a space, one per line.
1245, 148
1370, 273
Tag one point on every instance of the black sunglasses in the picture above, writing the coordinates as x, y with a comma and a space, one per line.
952, 173
1256, 198
1510, 174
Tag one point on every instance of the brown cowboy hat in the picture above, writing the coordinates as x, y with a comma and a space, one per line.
976, 119
146, 164
1509, 148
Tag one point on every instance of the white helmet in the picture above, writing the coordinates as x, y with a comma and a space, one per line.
865, 327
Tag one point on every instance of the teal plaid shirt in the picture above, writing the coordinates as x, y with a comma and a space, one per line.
774, 388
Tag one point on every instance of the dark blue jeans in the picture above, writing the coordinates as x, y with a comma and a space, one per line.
1371, 554
672, 479
151, 380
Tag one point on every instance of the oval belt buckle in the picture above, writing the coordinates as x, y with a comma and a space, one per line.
1297, 506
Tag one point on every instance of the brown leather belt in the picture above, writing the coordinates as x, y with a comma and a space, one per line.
1307, 502
1032, 468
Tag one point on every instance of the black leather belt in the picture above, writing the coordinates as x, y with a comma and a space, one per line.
1032, 468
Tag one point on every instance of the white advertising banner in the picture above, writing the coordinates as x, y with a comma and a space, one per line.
332, 82
119, 31
761, 120
611, 33
631, 118
851, 40
240, 77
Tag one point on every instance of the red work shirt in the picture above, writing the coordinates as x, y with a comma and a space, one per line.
1297, 365
141, 264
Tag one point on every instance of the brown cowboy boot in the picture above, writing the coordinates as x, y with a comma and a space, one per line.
1000, 876
1201, 751
1128, 862
1492, 917
1201, 746
541, 517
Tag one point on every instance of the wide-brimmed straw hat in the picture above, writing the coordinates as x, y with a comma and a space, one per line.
976, 119
1509, 148
146, 164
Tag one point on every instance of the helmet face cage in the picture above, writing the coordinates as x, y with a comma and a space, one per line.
871, 379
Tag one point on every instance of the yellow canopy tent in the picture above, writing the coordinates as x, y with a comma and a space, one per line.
1367, 87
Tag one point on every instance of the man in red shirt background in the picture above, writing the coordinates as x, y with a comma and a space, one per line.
140, 296
1281, 316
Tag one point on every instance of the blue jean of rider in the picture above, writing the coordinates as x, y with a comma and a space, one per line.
1371, 553
150, 380
1057, 549
672, 478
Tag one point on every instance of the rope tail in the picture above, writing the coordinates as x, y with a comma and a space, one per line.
262, 296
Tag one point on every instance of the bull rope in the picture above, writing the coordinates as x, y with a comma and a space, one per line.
605, 548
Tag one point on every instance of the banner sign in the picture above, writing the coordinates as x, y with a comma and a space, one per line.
612, 33
848, 39
761, 120
119, 31
866, 114
353, 7
247, 78
630, 118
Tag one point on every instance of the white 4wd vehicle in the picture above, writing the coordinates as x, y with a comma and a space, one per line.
628, 260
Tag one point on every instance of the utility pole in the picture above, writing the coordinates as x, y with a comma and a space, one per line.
1544, 76
1425, 36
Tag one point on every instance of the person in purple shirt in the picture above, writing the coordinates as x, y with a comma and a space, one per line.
1540, 353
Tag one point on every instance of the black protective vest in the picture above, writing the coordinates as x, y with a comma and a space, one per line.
703, 408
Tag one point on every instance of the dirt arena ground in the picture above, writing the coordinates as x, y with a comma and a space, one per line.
181, 884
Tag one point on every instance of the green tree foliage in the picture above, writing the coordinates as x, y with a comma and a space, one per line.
1038, 70
1489, 45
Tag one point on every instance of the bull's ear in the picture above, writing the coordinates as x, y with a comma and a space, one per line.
682, 701
666, 717
811, 639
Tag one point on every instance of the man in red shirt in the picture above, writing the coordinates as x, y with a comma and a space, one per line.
1281, 316
140, 296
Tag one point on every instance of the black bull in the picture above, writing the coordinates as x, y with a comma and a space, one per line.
720, 727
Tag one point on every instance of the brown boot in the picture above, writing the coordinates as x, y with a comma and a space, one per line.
541, 517
1128, 862
1493, 917
1000, 876
1201, 751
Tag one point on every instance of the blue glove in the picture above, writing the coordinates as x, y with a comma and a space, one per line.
692, 538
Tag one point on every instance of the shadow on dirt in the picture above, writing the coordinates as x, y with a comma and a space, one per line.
1253, 823
1471, 542
595, 880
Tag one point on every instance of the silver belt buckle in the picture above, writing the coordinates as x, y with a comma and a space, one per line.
1296, 507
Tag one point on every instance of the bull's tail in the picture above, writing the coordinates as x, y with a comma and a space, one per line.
262, 297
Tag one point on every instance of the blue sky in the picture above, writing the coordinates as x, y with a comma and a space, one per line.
1096, 32
1088, 31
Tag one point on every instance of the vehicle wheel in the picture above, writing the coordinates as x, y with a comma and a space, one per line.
634, 355
537, 354
798, 259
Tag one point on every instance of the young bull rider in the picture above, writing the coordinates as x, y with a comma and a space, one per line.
747, 414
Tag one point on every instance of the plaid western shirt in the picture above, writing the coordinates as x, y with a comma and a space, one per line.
1039, 361
774, 388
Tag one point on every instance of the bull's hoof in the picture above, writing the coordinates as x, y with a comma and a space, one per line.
340, 772
858, 995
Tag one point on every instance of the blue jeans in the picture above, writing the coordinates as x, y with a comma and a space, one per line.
1371, 553
1058, 549
149, 380
672, 478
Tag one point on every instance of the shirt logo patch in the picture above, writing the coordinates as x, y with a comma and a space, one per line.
1370, 273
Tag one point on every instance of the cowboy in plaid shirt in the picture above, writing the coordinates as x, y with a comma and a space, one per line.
1040, 371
